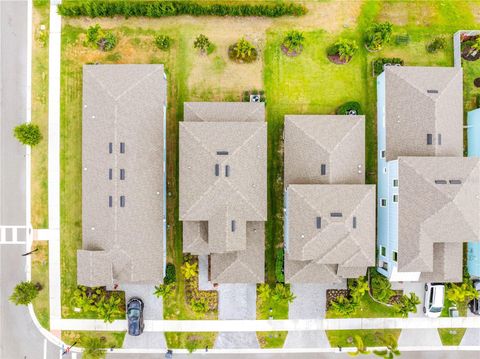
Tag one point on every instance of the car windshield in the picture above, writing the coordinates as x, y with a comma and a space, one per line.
135, 313
435, 309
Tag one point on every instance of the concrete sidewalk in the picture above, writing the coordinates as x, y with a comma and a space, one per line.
270, 325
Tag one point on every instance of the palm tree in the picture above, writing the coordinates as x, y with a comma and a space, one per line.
360, 345
243, 49
346, 48
264, 291
190, 270
391, 348
109, 308
24, 293
202, 43
93, 349
163, 290
293, 41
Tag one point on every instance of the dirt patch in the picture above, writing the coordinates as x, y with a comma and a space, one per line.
476, 82
336, 59
403, 13
291, 53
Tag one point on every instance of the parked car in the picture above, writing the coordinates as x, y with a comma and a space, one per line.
135, 316
434, 298
474, 304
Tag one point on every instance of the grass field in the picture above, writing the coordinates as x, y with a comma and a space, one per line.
371, 338
39, 176
41, 304
108, 339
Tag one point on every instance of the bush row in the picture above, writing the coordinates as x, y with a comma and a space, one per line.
102, 8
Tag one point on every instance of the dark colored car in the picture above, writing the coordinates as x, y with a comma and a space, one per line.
474, 304
135, 316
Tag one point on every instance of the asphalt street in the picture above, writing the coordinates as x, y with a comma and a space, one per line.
19, 338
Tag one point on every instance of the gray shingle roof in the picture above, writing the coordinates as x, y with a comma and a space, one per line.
122, 104
335, 141
247, 266
421, 101
442, 212
223, 185
348, 241
310, 272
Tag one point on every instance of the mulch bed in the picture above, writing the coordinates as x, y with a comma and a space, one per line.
337, 60
476, 82
395, 299
253, 57
333, 294
469, 57
289, 53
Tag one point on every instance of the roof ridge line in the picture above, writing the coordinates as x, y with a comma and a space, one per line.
311, 137
136, 83
345, 136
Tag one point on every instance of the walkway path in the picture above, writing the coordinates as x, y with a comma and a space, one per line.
54, 161
271, 325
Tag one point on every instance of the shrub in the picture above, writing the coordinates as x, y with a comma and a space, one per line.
293, 41
349, 108
93, 33
163, 290
163, 42
264, 292
377, 35
202, 43
242, 51
190, 270
345, 49
379, 64
93, 348
199, 305
155, 9
28, 134
279, 262
170, 274
109, 308
358, 288
282, 293
407, 304
105, 41
439, 43
24, 293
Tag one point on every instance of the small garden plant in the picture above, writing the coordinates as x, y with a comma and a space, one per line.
292, 44
105, 41
461, 293
379, 64
242, 51
202, 44
342, 51
163, 42
439, 43
407, 304
349, 108
378, 35
107, 305
28, 134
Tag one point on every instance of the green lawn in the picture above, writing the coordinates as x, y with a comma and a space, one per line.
369, 309
108, 339
268, 340
191, 341
451, 336
39, 175
41, 304
371, 338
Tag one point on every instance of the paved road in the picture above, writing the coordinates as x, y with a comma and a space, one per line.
18, 336
405, 355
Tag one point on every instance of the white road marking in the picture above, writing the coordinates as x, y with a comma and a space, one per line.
44, 348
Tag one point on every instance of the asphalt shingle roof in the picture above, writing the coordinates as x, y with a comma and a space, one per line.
438, 202
122, 104
315, 140
421, 101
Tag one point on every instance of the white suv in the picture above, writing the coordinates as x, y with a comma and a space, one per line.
434, 297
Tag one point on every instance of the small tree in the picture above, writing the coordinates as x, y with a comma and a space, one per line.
391, 348
407, 304
93, 33
243, 51
360, 345
163, 290
343, 306
199, 305
282, 292
461, 293
24, 293
202, 43
190, 270
163, 42
109, 308
346, 48
293, 41
28, 134
93, 348
358, 288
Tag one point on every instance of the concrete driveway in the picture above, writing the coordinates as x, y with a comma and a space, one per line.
237, 301
153, 310
310, 303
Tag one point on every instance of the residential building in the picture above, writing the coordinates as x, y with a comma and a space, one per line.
223, 188
473, 136
123, 175
428, 194
329, 210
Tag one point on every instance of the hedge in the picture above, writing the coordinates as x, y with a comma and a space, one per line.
102, 8
170, 275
